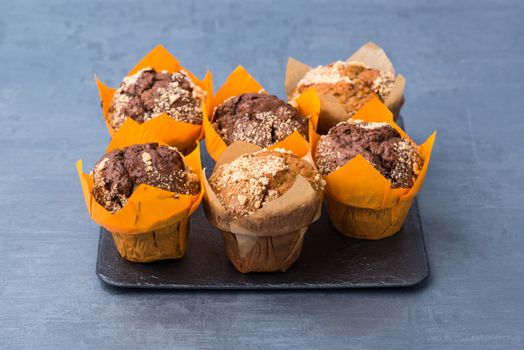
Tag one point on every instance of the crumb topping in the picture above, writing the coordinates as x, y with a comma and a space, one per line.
368, 125
257, 118
396, 158
253, 180
148, 94
121, 171
330, 74
351, 83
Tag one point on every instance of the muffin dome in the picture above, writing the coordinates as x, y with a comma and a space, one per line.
121, 171
257, 118
396, 158
351, 83
253, 180
148, 93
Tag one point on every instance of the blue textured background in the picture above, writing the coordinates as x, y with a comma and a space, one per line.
463, 65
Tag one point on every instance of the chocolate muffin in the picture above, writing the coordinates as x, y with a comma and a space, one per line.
396, 158
148, 93
257, 118
351, 83
253, 180
121, 171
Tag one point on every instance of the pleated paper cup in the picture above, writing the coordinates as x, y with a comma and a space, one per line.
241, 82
364, 223
154, 223
269, 239
359, 199
169, 242
331, 112
175, 133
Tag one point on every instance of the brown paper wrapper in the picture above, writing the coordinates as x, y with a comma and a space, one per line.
241, 82
179, 134
360, 201
269, 239
151, 213
331, 112
270, 253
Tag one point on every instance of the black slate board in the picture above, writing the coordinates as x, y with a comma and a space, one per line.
328, 260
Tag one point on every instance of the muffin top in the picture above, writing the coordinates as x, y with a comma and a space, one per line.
351, 83
121, 171
254, 180
148, 93
257, 118
396, 158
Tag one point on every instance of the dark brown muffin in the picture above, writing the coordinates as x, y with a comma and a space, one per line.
257, 118
253, 180
397, 159
148, 93
121, 171
352, 84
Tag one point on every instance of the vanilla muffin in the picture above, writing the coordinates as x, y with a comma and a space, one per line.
148, 93
257, 118
253, 180
396, 158
121, 171
351, 83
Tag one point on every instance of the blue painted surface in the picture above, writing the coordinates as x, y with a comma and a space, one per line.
462, 62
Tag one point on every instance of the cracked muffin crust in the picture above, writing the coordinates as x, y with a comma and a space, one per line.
257, 118
121, 171
396, 158
351, 83
148, 93
253, 180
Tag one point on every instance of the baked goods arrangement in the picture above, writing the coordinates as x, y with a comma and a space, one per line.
333, 143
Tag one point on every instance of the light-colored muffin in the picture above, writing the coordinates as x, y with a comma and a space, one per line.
351, 83
263, 204
253, 180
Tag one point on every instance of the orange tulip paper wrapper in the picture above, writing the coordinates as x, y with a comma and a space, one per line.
154, 223
269, 239
241, 82
360, 201
175, 133
331, 111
